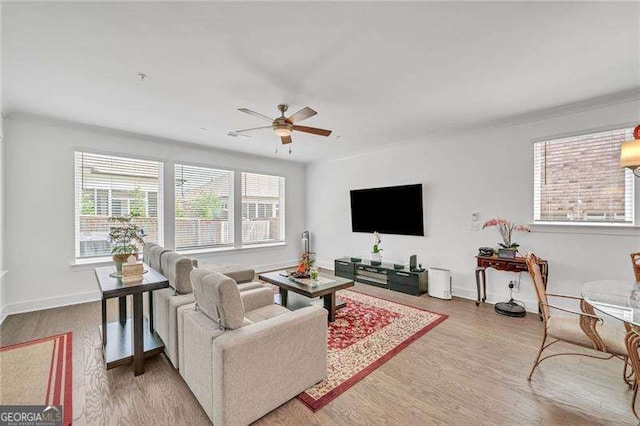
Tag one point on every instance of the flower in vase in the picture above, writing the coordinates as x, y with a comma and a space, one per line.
376, 242
506, 230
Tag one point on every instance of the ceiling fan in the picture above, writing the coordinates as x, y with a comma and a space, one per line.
283, 126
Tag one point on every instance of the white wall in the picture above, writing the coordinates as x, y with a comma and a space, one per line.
3, 299
488, 171
39, 212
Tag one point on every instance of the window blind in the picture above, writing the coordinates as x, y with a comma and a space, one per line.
108, 186
262, 208
204, 207
579, 179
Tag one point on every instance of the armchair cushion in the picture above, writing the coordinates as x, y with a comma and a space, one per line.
266, 312
256, 298
218, 297
177, 269
568, 329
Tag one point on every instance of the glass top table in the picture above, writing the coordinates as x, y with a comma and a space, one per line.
618, 299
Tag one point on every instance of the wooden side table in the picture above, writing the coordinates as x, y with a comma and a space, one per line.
129, 340
518, 264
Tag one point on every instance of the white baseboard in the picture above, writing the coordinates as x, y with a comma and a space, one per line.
92, 296
462, 292
48, 303
273, 266
493, 298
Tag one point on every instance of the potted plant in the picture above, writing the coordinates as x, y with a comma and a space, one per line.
376, 254
126, 240
506, 229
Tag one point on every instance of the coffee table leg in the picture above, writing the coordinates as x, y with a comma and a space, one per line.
138, 336
122, 309
283, 297
330, 305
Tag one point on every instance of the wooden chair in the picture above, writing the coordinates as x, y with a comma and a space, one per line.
581, 328
635, 261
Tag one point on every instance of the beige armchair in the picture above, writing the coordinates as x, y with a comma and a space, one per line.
242, 355
580, 328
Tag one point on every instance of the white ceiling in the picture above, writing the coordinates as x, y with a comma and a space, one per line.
377, 73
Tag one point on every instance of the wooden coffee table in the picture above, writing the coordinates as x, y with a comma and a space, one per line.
325, 290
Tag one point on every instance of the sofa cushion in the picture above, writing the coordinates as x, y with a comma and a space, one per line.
218, 298
177, 269
241, 274
145, 252
155, 254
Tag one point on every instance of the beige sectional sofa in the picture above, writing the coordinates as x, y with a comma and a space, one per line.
241, 354
166, 302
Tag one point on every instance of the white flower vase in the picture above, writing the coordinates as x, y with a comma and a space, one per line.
376, 257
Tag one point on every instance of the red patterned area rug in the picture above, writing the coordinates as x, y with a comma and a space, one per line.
38, 373
367, 332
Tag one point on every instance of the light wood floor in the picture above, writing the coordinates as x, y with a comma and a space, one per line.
471, 369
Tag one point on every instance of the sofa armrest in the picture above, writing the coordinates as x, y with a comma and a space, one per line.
259, 367
256, 298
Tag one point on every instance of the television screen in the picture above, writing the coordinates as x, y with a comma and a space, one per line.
390, 210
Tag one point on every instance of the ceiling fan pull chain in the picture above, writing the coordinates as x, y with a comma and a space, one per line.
290, 151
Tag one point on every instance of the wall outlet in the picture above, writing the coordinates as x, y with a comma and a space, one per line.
475, 221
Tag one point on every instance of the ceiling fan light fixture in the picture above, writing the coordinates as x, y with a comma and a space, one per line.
282, 129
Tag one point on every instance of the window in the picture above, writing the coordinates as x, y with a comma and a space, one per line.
114, 186
204, 207
579, 179
262, 208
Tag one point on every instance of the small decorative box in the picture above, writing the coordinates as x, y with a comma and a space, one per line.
132, 272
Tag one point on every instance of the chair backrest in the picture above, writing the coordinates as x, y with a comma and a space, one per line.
533, 265
218, 297
177, 269
635, 261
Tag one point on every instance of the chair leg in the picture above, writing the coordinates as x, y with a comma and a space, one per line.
537, 361
626, 374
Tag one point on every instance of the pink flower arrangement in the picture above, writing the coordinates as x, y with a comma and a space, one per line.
506, 229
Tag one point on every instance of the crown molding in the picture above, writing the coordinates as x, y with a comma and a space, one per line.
626, 96
112, 132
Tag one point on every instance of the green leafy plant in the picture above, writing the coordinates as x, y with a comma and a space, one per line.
206, 206
125, 237
88, 207
137, 206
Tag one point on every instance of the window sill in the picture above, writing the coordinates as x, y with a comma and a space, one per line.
233, 249
621, 229
87, 264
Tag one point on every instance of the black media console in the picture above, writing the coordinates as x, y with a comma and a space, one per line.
384, 275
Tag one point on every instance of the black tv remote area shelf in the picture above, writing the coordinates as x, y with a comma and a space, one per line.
384, 275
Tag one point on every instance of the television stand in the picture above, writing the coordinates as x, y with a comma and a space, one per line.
384, 275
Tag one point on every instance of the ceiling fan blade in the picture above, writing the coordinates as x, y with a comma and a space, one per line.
255, 114
252, 129
314, 130
286, 140
235, 135
303, 114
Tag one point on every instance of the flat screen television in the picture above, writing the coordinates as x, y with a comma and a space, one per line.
389, 210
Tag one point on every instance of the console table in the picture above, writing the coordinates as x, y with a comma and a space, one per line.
384, 275
518, 264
